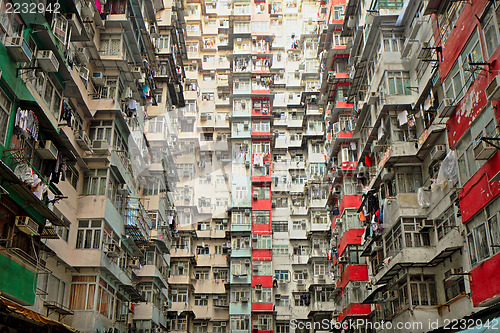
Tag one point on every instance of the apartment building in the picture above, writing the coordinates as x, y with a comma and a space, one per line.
253, 234
89, 96
412, 161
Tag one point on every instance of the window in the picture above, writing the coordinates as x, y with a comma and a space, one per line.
261, 126
280, 202
261, 267
423, 290
105, 299
283, 327
260, 217
262, 294
91, 234
240, 218
397, 82
460, 77
490, 28
82, 294
5, 107
202, 249
180, 268
299, 225
200, 327
53, 288
300, 275
201, 300
163, 42
240, 267
320, 269
484, 233
454, 288
179, 295
484, 125
110, 45
263, 322
264, 242
202, 275
408, 179
393, 42
282, 275
240, 323
178, 324
445, 223
338, 13
280, 226
240, 243
262, 192
280, 250
238, 294
72, 174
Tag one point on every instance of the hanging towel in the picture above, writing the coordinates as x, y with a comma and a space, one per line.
368, 161
353, 145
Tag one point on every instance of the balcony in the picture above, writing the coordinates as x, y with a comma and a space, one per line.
137, 221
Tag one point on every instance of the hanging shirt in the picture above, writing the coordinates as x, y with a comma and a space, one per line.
402, 117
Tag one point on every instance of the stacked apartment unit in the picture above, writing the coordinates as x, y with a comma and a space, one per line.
251, 250
89, 93
411, 107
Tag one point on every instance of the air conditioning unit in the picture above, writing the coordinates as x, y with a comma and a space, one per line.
100, 145
453, 274
83, 140
247, 164
258, 287
493, 89
446, 108
255, 196
82, 55
247, 262
426, 225
387, 174
377, 146
343, 260
27, 225
223, 324
483, 150
254, 237
47, 60
112, 250
244, 300
83, 72
247, 212
438, 152
18, 49
300, 282
48, 152
134, 263
98, 78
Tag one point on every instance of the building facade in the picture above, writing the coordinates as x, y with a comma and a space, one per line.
420, 130
88, 91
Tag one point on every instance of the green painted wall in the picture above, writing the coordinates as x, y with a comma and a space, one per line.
17, 281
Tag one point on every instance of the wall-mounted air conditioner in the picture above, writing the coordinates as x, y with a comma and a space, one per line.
100, 145
27, 225
18, 49
493, 89
446, 108
483, 150
48, 151
47, 60
112, 250
438, 152
82, 55
387, 174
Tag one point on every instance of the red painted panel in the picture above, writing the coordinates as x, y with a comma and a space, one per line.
459, 35
354, 273
262, 253
261, 227
261, 204
262, 307
479, 191
261, 179
471, 105
349, 201
355, 309
485, 281
264, 280
350, 237
345, 134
